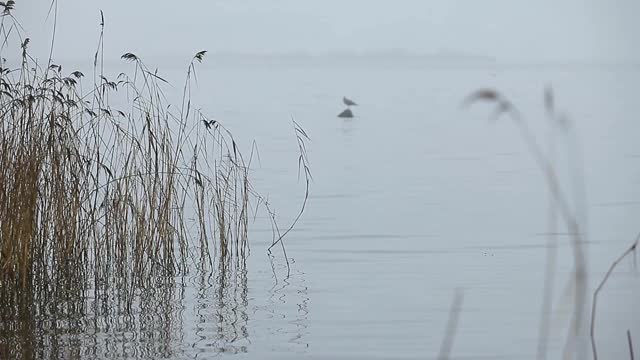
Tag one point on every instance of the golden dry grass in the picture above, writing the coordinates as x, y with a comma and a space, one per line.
91, 192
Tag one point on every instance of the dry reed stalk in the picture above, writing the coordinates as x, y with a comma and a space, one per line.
630, 345
561, 203
452, 325
594, 302
94, 194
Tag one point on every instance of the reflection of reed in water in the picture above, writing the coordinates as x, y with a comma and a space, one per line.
301, 319
221, 318
287, 308
206, 313
93, 325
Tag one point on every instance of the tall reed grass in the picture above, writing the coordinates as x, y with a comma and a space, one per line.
103, 183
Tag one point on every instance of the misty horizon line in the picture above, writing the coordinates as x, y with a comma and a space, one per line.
437, 58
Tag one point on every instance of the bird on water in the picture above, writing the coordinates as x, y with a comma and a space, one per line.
348, 102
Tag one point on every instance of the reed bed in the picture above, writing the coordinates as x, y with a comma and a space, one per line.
104, 184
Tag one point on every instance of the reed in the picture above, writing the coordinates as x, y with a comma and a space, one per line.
110, 186
560, 205
574, 220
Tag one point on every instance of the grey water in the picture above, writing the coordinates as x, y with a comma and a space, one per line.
413, 198
416, 196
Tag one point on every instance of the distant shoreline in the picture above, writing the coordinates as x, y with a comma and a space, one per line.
364, 56
364, 59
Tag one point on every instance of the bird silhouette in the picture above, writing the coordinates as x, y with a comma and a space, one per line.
348, 102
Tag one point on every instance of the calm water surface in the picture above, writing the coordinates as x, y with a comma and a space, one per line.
411, 199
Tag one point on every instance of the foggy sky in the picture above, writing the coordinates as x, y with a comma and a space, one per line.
509, 30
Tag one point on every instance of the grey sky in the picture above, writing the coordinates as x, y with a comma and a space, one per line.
517, 30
